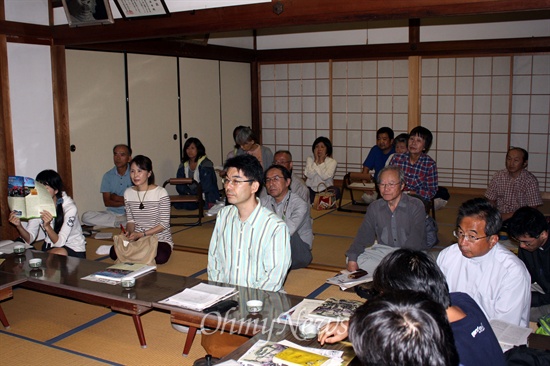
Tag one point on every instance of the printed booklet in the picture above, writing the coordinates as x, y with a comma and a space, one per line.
28, 198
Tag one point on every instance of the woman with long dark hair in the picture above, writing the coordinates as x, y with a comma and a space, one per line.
63, 231
196, 165
147, 209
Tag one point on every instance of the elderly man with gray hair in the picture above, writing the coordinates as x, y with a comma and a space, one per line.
394, 221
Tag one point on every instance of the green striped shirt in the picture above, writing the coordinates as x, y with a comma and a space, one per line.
254, 253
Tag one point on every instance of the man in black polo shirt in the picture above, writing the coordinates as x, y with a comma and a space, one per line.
530, 228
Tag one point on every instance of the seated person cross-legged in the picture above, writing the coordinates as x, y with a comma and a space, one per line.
113, 186
196, 165
293, 210
394, 221
515, 186
148, 209
320, 168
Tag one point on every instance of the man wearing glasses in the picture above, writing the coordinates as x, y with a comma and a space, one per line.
250, 246
293, 210
297, 185
394, 221
479, 266
530, 229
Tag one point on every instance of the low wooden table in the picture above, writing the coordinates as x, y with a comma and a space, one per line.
7, 281
60, 275
238, 320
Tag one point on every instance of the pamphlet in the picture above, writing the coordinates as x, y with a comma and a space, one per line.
344, 280
335, 309
200, 296
299, 313
28, 198
265, 353
116, 272
509, 335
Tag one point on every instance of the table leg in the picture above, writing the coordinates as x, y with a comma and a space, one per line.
3, 319
139, 329
189, 340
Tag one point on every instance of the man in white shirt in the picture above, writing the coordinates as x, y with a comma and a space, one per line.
479, 266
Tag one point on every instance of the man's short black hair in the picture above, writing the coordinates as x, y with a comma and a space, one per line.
128, 148
523, 151
406, 269
249, 165
527, 221
402, 328
284, 171
483, 209
388, 131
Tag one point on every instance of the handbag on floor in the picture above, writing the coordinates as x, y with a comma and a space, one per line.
143, 250
324, 200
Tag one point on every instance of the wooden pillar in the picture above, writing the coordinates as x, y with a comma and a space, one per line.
414, 91
61, 117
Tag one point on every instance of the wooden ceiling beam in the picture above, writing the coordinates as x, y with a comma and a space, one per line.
404, 50
295, 12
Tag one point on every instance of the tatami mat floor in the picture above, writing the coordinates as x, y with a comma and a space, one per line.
52, 330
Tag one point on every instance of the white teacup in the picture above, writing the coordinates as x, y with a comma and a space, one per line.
254, 306
128, 282
308, 330
35, 262
19, 249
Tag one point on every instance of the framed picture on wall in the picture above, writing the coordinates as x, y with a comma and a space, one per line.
87, 12
141, 8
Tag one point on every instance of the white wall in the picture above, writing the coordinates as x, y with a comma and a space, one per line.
31, 99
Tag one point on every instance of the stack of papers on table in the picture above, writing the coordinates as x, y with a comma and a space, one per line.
344, 281
115, 273
200, 297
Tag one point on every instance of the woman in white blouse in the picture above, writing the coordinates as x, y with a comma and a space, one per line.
320, 168
62, 229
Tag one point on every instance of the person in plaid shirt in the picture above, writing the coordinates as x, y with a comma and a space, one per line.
514, 187
419, 168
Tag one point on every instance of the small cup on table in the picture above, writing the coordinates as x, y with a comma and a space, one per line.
254, 306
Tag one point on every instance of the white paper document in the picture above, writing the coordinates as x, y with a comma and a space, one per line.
200, 297
509, 335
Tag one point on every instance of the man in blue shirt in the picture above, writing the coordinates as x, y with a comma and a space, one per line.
380, 152
113, 185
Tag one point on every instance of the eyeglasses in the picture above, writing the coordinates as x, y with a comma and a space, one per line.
235, 182
389, 185
525, 242
469, 238
275, 179
281, 162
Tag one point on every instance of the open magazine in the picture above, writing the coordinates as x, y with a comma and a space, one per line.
28, 198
